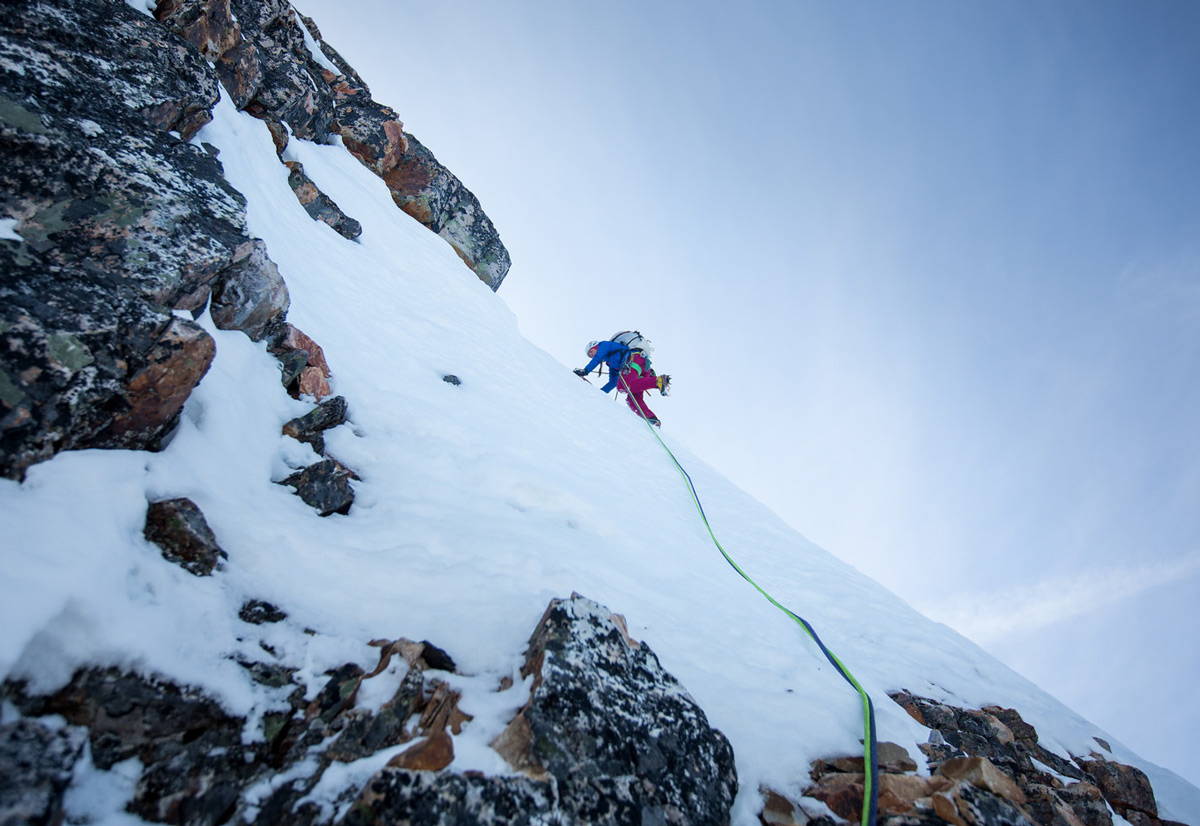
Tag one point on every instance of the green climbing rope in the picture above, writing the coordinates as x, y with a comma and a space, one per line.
870, 762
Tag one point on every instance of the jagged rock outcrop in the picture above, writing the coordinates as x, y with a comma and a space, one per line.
986, 769
113, 219
597, 700
429, 192
118, 221
609, 737
276, 66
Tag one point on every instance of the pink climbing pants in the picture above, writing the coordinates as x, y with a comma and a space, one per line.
635, 386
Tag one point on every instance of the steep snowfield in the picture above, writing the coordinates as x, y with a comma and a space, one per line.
477, 505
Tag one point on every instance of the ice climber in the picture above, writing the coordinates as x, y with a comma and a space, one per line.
627, 355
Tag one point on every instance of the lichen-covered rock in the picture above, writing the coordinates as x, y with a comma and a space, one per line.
370, 131
310, 427
179, 529
275, 65
290, 86
119, 221
35, 768
427, 191
318, 205
206, 24
621, 737
250, 294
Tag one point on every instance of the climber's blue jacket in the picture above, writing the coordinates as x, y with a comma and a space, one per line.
613, 355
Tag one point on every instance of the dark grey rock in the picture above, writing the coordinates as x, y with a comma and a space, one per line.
1087, 801
178, 527
987, 809
258, 612
35, 768
1124, 787
120, 220
324, 486
436, 658
368, 734
310, 427
291, 365
452, 379
250, 294
396, 796
597, 698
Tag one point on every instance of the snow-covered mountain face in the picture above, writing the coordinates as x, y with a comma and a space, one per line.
288, 494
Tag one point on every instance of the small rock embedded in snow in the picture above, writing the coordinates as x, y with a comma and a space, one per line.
325, 486
179, 529
452, 379
258, 612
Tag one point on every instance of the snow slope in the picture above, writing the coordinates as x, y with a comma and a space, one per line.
477, 505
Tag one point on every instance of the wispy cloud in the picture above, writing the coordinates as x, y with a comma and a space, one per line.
989, 616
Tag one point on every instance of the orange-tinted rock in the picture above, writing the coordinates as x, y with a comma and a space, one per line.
206, 24
840, 791
778, 810
982, 773
432, 754
156, 393
295, 339
1124, 787
313, 383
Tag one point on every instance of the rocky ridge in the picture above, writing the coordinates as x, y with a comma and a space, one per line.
985, 767
117, 230
581, 747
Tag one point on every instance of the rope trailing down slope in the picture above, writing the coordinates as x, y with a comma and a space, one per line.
870, 762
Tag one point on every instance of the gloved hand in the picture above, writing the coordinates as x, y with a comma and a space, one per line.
579, 371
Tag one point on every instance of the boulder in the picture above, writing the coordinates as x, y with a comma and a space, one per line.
154, 395
595, 701
179, 529
1126, 788
35, 767
206, 24
981, 772
250, 294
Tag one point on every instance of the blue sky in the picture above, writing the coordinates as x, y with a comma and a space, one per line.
927, 277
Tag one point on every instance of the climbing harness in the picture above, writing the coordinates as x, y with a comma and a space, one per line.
870, 758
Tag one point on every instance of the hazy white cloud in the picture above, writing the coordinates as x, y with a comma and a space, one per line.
989, 616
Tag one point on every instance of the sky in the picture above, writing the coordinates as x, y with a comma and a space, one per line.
926, 276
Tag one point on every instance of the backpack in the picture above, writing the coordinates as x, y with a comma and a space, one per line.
632, 339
